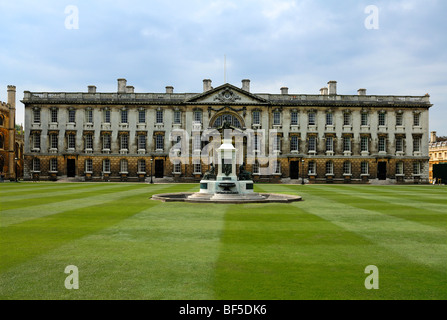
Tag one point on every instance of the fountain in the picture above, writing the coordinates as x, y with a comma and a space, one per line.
226, 186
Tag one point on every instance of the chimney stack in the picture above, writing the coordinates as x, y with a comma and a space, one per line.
332, 85
206, 85
284, 90
122, 85
12, 96
246, 85
324, 91
361, 92
169, 89
433, 138
130, 89
91, 89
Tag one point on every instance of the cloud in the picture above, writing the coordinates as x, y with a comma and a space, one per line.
273, 9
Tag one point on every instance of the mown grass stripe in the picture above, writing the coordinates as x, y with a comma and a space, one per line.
25, 187
47, 232
434, 214
419, 243
56, 193
165, 251
78, 201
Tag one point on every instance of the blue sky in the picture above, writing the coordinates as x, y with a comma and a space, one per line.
301, 44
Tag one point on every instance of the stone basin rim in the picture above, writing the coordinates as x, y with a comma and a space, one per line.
268, 198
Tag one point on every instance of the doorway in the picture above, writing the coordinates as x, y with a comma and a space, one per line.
71, 168
381, 170
294, 169
159, 168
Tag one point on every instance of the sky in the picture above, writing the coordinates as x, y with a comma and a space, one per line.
389, 47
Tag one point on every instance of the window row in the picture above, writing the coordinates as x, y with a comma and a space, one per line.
123, 140
107, 116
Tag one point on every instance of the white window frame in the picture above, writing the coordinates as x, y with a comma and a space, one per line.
106, 142
347, 144
364, 168
399, 168
330, 168
329, 144
89, 141
124, 165
312, 144
53, 165
347, 168
142, 142
294, 119
88, 165
382, 144
124, 142
256, 117
54, 115
107, 116
141, 116
71, 141
197, 167
177, 117
141, 166
312, 168
54, 141
312, 118
36, 165
106, 166
89, 116
294, 143
159, 142
36, 116
329, 119
276, 118
364, 144
71, 116
177, 167
124, 116
159, 116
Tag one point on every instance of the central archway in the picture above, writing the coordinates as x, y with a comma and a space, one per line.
231, 118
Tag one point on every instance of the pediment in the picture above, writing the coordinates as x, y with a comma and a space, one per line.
227, 94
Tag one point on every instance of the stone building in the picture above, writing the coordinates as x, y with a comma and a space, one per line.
437, 153
283, 137
11, 141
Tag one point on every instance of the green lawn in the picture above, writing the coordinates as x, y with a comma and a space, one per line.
127, 246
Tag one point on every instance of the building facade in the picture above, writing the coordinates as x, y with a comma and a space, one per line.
284, 137
11, 141
437, 153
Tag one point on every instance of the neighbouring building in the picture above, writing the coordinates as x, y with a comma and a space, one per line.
11, 139
437, 153
287, 137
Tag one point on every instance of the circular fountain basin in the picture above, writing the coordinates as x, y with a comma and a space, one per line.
230, 199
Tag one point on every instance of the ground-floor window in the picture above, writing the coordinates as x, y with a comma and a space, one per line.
416, 168
53, 164
106, 166
89, 165
123, 165
364, 168
141, 165
346, 167
312, 168
329, 167
36, 164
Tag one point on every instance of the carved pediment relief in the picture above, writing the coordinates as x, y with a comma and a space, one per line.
227, 94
